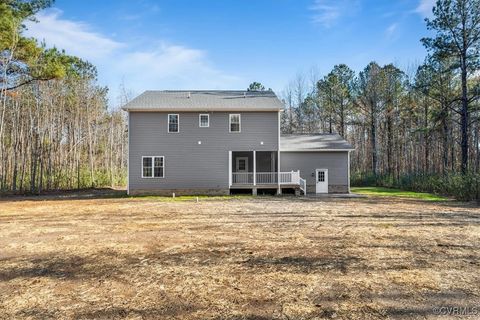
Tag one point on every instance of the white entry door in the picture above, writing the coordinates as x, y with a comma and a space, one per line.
321, 178
242, 164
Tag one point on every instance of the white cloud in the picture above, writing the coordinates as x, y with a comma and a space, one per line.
425, 7
171, 67
327, 12
391, 30
75, 37
164, 66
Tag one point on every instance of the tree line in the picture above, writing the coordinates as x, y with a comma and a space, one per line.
56, 131
416, 129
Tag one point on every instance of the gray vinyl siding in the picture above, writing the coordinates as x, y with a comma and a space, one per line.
189, 165
335, 161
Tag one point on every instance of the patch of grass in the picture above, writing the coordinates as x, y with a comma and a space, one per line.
390, 192
107, 193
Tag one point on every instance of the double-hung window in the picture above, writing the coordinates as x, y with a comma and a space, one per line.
204, 120
153, 167
173, 123
235, 123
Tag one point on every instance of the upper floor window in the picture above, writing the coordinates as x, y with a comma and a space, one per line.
204, 120
173, 123
235, 123
153, 167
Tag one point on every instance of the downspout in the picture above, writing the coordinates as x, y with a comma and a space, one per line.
229, 169
349, 170
254, 168
128, 153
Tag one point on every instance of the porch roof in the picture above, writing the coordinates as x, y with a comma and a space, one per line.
314, 142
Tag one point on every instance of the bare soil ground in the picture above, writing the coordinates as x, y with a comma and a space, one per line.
253, 258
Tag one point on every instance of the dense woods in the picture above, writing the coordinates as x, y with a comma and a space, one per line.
56, 131
416, 129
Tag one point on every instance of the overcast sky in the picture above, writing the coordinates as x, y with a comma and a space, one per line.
226, 44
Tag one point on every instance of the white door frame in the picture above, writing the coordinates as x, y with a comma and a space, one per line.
237, 161
321, 187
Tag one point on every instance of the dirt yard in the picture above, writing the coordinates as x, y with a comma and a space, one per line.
251, 258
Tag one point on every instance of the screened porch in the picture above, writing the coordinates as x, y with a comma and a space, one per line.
259, 169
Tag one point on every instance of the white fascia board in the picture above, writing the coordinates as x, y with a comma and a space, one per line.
200, 109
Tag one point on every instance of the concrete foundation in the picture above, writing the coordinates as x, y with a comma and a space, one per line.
338, 189
331, 188
181, 192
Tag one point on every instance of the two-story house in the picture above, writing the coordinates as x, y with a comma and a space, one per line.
213, 142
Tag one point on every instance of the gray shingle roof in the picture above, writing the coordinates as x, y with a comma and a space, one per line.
313, 142
217, 100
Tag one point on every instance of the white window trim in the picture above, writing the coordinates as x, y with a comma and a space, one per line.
178, 122
200, 120
239, 122
153, 167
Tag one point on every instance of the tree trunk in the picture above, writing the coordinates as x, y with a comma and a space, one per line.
445, 143
464, 117
389, 143
373, 141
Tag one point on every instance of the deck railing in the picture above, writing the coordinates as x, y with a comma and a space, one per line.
266, 178
292, 177
242, 177
303, 186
